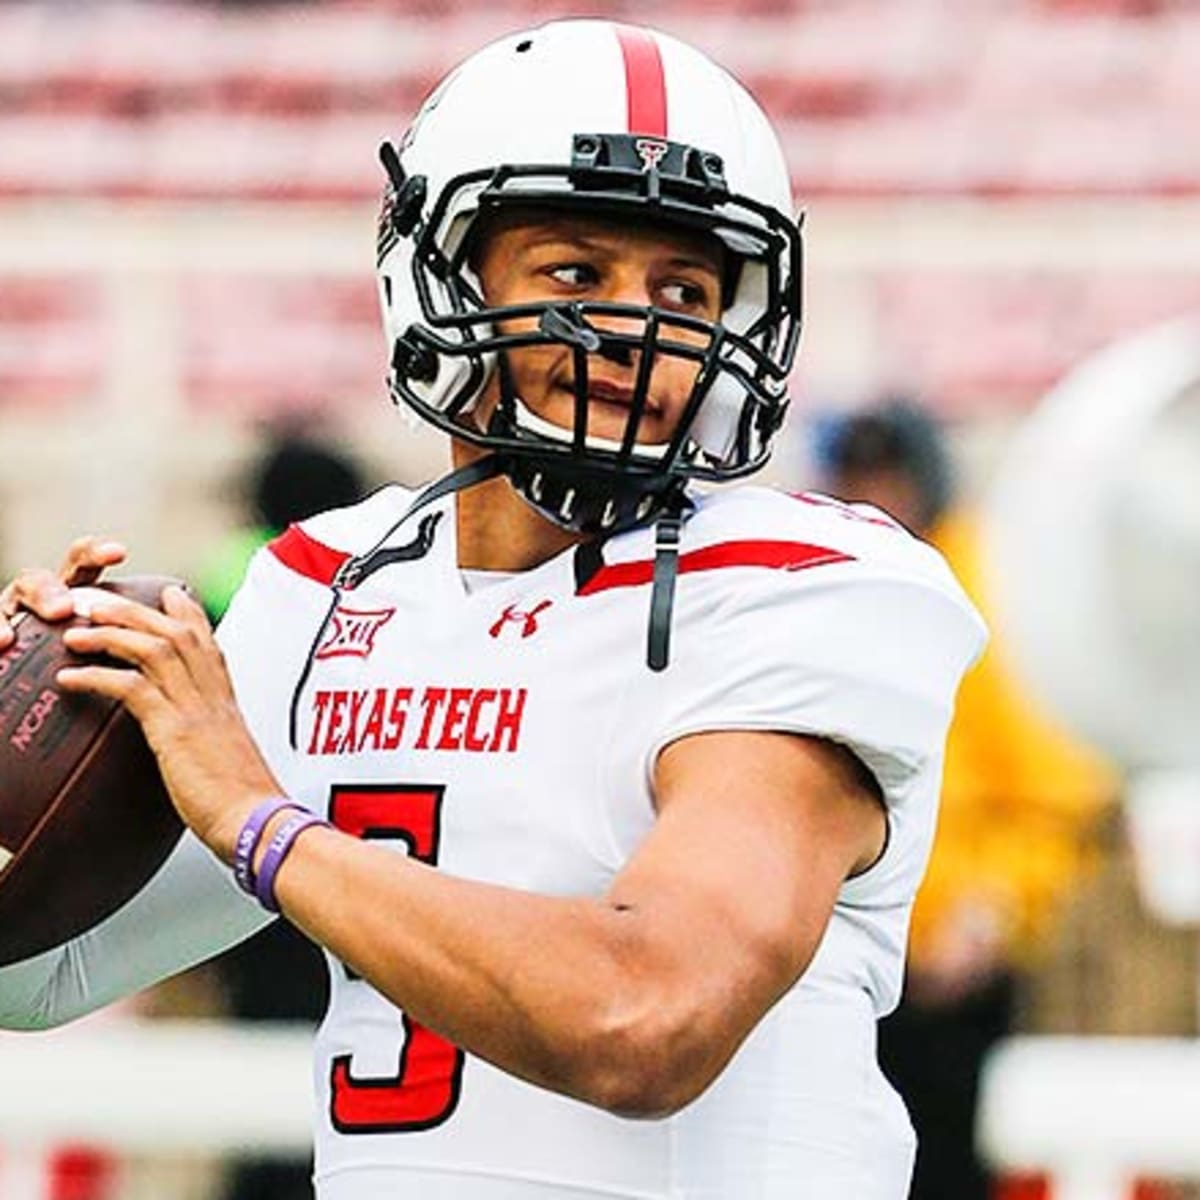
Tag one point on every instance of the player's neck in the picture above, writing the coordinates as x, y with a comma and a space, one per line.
497, 530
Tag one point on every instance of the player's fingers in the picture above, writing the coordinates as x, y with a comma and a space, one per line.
7, 610
106, 608
153, 655
10, 605
45, 593
118, 683
195, 638
39, 590
183, 630
179, 604
87, 557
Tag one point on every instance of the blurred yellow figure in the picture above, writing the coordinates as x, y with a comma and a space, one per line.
1021, 804
1020, 811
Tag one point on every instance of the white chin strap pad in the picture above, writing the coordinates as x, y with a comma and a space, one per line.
530, 422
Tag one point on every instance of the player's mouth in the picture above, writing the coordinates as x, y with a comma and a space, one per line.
601, 391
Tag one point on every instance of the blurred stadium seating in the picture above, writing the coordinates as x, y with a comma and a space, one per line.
925, 97
1026, 103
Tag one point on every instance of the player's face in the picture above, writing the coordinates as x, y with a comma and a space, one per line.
556, 257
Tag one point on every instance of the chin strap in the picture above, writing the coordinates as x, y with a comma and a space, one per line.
354, 570
667, 532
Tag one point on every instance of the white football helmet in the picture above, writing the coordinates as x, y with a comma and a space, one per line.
616, 121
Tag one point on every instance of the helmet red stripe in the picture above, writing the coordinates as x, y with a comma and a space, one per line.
645, 83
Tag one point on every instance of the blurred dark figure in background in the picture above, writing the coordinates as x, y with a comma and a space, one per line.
277, 975
295, 477
1017, 831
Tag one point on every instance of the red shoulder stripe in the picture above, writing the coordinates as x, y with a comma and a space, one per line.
645, 83
781, 556
306, 556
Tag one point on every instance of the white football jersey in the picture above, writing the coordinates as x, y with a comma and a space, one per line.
508, 733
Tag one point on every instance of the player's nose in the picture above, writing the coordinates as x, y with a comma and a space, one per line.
621, 335
616, 351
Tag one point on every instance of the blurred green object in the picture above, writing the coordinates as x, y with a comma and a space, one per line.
296, 476
222, 575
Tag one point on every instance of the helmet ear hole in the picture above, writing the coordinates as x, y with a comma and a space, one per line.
451, 389
413, 361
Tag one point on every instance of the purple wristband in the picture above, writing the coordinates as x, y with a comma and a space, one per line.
250, 835
278, 848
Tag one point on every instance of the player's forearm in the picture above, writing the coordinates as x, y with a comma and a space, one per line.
568, 993
187, 913
24, 988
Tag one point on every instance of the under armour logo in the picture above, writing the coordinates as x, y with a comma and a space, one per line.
527, 619
352, 631
650, 151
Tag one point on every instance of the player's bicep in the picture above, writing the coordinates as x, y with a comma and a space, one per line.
756, 833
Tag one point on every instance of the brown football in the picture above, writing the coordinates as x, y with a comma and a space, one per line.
85, 819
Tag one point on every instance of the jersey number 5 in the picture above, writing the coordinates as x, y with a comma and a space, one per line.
424, 1090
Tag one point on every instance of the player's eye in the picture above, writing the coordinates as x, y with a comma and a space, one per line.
685, 295
573, 274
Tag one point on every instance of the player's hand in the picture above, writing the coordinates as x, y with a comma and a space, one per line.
180, 692
45, 592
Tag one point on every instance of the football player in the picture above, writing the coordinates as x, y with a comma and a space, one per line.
606, 795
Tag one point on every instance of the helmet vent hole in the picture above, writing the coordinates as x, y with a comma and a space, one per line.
523, 47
